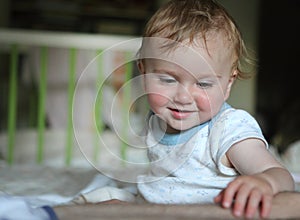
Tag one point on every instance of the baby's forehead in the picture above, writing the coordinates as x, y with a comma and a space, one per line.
176, 70
214, 54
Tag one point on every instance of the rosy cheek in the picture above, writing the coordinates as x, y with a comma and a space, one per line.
209, 104
156, 100
203, 102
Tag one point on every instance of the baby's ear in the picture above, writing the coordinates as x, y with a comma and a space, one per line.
231, 81
140, 66
234, 75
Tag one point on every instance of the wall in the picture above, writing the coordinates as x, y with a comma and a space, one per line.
246, 14
4, 13
4, 61
278, 100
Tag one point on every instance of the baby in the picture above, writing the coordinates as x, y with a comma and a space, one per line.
201, 149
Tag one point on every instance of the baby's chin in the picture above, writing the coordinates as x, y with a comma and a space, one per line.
172, 130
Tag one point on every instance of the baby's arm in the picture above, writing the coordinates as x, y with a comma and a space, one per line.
261, 178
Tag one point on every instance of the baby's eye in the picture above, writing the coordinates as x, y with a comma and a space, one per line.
165, 79
204, 85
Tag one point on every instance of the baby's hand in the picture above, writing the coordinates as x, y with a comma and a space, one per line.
246, 195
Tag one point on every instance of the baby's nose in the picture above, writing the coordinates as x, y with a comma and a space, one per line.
183, 95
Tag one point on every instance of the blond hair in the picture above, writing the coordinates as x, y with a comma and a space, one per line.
181, 20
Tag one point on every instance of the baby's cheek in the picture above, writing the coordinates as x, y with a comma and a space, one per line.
156, 100
203, 102
209, 105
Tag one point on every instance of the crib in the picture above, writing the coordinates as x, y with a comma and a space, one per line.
68, 133
45, 43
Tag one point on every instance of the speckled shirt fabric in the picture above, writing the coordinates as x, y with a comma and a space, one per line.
186, 168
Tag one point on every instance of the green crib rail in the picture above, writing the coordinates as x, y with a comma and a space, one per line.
98, 105
71, 90
41, 104
42, 94
126, 106
12, 103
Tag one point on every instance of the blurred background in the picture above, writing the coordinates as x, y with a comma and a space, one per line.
269, 29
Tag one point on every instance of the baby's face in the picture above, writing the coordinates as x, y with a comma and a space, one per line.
187, 86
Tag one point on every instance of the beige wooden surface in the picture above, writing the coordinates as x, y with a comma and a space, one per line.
285, 206
141, 212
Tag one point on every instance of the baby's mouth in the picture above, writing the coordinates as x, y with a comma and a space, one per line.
180, 114
178, 110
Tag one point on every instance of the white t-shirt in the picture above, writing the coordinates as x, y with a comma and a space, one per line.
186, 168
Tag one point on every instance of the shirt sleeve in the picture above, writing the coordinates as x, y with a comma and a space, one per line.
231, 127
13, 207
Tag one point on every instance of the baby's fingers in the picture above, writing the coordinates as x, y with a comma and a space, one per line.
219, 198
254, 200
228, 194
266, 206
241, 200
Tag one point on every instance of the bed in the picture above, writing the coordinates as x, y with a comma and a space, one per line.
68, 140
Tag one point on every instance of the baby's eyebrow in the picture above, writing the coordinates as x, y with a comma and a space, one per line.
163, 71
209, 76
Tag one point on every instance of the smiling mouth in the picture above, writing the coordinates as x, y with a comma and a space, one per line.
178, 110
180, 114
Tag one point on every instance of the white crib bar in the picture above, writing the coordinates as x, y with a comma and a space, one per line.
67, 39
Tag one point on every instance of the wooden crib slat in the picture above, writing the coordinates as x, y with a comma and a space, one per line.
71, 90
41, 104
12, 105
